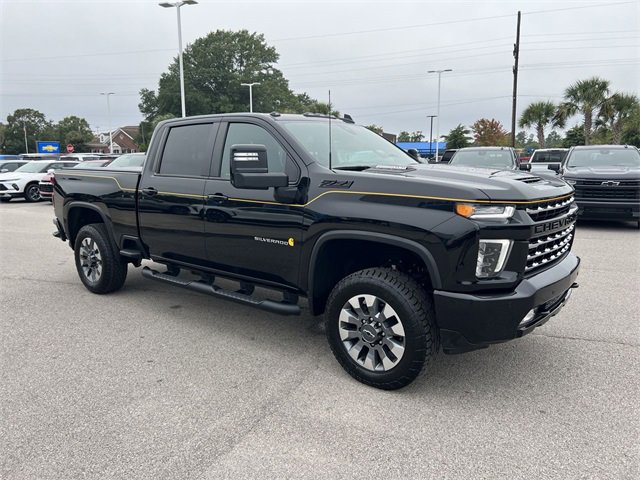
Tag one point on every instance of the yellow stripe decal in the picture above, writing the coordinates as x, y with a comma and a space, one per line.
345, 192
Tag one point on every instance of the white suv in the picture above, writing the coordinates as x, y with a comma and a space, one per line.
23, 182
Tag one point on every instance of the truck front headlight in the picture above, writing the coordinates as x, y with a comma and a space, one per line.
492, 257
485, 212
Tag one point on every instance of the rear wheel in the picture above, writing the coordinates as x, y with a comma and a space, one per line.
32, 193
99, 265
381, 327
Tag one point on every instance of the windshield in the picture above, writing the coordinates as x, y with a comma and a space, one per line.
128, 160
604, 157
34, 167
483, 158
351, 145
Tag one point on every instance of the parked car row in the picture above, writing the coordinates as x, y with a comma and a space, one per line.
606, 178
34, 180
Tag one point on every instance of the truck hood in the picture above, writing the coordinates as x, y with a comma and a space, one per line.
478, 183
603, 173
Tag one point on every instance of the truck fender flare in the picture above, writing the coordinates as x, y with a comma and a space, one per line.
90, 206
421, 251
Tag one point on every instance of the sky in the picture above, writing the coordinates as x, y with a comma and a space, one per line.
57, 56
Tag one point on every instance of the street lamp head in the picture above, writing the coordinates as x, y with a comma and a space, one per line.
167, 4
189, 2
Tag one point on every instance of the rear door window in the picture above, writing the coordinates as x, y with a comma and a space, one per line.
187, 151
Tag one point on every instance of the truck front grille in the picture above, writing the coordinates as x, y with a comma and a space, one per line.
547, 210
549, 248
607, 189
45, 187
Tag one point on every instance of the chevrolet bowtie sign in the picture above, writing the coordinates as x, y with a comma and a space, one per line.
610, 183
48, 147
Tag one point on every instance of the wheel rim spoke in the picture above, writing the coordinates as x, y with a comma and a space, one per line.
90, 259
371, 332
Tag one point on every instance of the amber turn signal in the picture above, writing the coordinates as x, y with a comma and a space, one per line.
465, 210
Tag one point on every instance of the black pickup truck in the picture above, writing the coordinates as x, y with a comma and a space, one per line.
402, 258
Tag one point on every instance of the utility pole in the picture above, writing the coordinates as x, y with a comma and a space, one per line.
26, 144
516, 55
107, 94
431, 133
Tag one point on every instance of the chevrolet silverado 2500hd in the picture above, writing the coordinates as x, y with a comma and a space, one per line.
402, 258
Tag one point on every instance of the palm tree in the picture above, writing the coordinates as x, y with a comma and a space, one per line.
615, 110
538, 115
584, 96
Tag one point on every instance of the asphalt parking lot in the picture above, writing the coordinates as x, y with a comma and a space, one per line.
155, 382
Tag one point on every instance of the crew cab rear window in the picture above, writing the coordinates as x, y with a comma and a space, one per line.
187, 151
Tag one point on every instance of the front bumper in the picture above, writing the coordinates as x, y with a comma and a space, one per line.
10, 190
468, 322
608, 210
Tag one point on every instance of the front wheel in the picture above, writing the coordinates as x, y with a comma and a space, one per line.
32, 193
99, 265
381, 327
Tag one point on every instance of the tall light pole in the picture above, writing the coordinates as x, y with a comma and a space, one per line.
178, 5
431, 132
439, 72
250, 85
107, 94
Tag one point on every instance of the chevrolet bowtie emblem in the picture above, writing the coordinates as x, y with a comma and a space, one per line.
610, 183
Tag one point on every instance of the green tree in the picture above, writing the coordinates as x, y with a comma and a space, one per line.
631, 129
584, 97
375, 128
404, 136
574, 136
553, 140
527, 141
35, 124
416, 136
215, 66
458, 137
73, 130
538, 115
489, 132
146, 129
614, 111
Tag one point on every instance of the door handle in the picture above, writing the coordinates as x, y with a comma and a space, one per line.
150, 191
217, 197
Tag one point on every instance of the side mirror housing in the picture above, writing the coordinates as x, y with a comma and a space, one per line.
525, 166
554, 166
4, 170
51, 170
250, 168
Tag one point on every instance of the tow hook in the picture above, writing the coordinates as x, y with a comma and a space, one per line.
575, 285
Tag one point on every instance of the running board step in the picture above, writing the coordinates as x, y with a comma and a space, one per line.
281, 308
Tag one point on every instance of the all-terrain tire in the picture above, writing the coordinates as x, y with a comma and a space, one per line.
99, 265
412, 306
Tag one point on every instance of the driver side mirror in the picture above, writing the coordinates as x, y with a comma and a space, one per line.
250, 168
525, 166
555, 167
4, 170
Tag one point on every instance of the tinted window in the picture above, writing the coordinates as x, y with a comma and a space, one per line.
187, 151
600, 157
548, 157
245, 133
10, 167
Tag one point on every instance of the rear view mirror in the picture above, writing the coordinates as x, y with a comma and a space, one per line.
554, 166
525, 166
51, 170
250, 168
4, 170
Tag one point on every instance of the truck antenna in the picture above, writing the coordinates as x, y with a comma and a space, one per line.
330, 129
